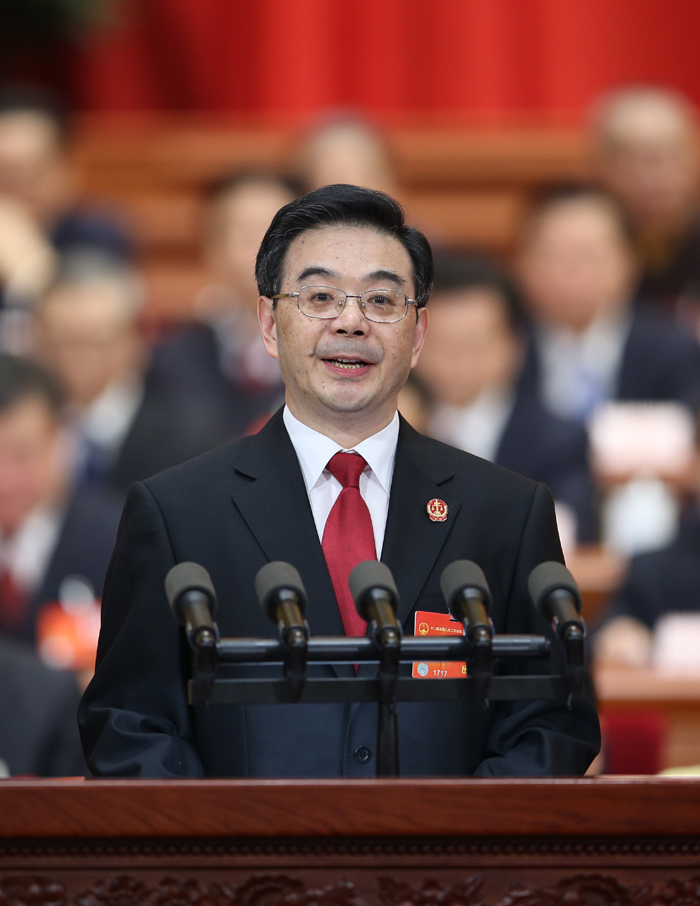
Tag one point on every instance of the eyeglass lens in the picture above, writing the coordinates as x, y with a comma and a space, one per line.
377, 304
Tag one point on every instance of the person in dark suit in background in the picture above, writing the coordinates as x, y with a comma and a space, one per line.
50, 531
646, 138
334, 478
219, 363
471, 360
588, 343
88, 335
38, 732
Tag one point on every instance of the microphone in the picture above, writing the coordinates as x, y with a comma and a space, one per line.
556, 595
192, 599
466, 593
376, 598
283, 599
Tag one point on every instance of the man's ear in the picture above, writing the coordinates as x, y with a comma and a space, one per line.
419, 333
268, 324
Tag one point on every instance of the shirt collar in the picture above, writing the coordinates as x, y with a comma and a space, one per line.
315, 449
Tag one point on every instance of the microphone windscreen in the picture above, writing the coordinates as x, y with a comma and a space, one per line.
372, 574
187, 576
460, 575
275, 577
548, 577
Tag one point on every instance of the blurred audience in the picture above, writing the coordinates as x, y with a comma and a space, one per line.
658, 583
50, 531
41, 217
220, 363
471, 361
345, 149
88, 335
647, 143
38, 726
589, 344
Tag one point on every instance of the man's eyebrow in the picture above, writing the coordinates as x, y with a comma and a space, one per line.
316, 270
383, 274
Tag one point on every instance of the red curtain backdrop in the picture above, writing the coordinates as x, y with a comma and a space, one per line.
484, 59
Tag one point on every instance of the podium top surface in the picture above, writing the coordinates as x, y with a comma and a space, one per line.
380, 808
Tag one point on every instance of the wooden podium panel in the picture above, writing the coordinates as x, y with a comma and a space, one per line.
623, 842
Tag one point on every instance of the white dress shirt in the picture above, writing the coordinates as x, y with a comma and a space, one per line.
476, 428
314, 450
26, 553
580, 370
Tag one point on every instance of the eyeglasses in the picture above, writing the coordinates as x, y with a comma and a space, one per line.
327, 302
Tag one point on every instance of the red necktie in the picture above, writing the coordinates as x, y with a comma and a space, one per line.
348, 538
13, 601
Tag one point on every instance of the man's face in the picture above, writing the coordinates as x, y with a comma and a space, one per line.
29, 455
87, 341
576, 264
238, 222
471, 347
652, 164
346, 369
32, 169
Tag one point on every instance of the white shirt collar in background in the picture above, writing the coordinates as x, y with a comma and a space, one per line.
107, 420
27, 552
477, 428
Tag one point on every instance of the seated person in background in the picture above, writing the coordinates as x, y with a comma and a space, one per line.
38, 731
588, 344
220, 364
49, 531
649, 157
471, 361
88, 335
343, 148
41, 218
658, 582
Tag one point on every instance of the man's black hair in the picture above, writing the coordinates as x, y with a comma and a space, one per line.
460, 272
39, 101
561, 193
341, 206
22, 379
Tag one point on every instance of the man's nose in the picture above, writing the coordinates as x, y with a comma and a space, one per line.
351, 319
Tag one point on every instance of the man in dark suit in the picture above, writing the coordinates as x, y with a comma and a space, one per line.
646, 138
88, 334
470, 364
38, 733
333, 479
589, 344
227, 371
49, 530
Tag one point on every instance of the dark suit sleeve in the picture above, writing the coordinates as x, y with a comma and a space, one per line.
134, 717
539, 738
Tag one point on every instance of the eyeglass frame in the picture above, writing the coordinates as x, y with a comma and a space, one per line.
360, 303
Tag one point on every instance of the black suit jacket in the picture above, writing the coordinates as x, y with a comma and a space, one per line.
38, 731
187, 366
164, 433
237, 508
663, 581
660, 362
539, 445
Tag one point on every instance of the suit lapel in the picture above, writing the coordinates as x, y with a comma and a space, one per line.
272, 499
413, 541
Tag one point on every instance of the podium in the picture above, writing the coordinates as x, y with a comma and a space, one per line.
588, 842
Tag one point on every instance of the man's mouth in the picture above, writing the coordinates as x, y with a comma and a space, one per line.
347, 364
